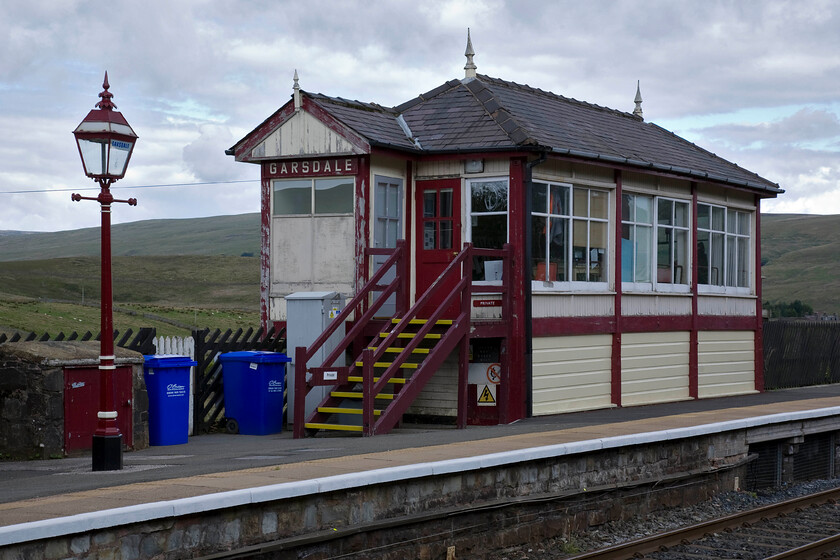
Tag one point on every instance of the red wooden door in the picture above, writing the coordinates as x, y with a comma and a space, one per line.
81, 404
438, 237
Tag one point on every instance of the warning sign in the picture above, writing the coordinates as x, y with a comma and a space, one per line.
494, 373
486, 395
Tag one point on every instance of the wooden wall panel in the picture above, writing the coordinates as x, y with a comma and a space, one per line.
654, 367
726, 363
571, 373
572, 305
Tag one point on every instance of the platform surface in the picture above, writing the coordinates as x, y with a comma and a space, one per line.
33, 491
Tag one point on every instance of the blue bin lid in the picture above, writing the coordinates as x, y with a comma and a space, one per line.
255, 357
168, 360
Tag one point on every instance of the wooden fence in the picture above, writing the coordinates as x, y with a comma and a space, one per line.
209, 399
799, 354
142, 342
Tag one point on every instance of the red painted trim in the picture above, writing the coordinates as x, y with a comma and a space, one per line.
515, 397
265, 249
615, 356
694, 343
759, 320
657, 323
723, 323
567, 326
362, 222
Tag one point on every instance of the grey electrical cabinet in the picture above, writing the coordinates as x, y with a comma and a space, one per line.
307, 316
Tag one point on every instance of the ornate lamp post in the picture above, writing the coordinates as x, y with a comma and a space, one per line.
105, 142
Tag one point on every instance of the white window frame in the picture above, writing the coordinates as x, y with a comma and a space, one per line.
575, 285
469, 214
724, 288
632, 285
666, 287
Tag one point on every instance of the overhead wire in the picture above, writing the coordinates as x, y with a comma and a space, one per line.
95, 188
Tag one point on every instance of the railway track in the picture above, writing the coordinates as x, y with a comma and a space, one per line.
801, 528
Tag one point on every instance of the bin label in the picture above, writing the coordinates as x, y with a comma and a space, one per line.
253, 366
275, 386
175, 390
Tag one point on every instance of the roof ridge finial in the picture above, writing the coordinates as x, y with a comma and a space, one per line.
470, 68
296, 94
638, 101
106, 96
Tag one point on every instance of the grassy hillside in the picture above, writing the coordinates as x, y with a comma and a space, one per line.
801, 255
176, 274
219, 235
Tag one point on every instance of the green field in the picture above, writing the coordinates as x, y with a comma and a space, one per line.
176, 275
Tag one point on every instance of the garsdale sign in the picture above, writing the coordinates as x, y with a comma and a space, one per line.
311, 168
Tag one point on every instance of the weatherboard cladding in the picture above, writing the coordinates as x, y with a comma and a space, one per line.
487, 113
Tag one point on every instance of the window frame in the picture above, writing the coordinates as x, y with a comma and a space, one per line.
312, 196
570, 217
468, 211
724, 287
634, 285
672, 287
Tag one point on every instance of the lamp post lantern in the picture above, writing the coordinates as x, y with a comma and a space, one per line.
105, 141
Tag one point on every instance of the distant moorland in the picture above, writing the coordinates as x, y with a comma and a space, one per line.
177, 274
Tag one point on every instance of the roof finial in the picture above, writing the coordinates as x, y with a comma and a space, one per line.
296, 91
106, 96
470, 68
638, 101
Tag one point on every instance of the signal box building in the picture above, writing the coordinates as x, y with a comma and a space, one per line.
544, 255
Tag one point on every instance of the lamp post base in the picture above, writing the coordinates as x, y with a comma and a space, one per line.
107, 453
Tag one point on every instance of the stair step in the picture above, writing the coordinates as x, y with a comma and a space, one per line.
339, 410
339, 427
397, 350
358, 395
405, 365
432, 336
441, 322
358, 379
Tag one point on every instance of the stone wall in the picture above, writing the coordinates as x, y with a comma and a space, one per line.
32, 395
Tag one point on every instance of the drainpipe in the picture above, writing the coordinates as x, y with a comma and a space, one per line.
529, 346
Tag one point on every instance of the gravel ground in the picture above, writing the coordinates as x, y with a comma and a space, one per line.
621, 531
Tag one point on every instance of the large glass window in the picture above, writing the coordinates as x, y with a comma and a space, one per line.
488, 223
723, 246
636, 238
672, 234
569, 239
325, 195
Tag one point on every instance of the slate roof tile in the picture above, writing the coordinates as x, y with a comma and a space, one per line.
488, 113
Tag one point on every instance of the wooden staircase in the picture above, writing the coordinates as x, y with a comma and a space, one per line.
370, 395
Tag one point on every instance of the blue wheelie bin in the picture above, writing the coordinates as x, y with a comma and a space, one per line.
254, 382
168, 385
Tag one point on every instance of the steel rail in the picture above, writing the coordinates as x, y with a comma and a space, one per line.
661, 541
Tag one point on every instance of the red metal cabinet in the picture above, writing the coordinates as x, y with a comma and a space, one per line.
81, 403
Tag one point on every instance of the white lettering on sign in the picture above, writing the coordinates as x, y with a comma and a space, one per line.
175, 390
340, 166
275, 386
77, 384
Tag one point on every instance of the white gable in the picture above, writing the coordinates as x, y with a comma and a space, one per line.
303, 134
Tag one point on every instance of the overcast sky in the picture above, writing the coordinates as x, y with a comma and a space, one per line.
757, 82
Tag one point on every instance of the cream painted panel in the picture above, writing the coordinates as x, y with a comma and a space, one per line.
310, 254
726, 363
447, 168
654, 367
726, 305
303, 134
637, 305
571, 373
440, 395
572, 305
